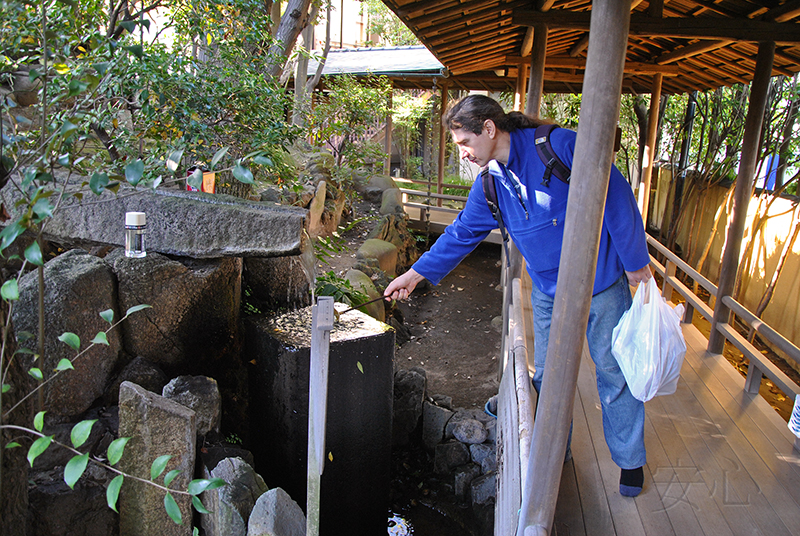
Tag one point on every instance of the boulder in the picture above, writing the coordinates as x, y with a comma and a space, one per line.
448, 456
381, 182
393, 228
484, 489
157, 426
188, 224
392, 202
434, 420
469, 431
57, 510
200, 394
315, 208
141, 372
194, 311
276, 514
231, 505
361, 282
409, 391
79, 287
480, 451
385, 252
464, 476
489, 465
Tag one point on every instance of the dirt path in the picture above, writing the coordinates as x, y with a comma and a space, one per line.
454, 340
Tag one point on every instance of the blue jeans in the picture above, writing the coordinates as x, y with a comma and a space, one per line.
623, 415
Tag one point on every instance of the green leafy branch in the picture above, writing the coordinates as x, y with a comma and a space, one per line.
10, 292
76, 466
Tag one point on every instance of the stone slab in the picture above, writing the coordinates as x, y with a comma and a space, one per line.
188, 224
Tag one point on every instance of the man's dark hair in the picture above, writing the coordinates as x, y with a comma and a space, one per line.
473, 110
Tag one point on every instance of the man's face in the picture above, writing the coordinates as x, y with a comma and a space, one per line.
477, 148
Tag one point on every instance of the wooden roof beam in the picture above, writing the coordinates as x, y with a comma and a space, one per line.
691, 50
477, 48
686, 28
566, 62
776, 69
472, 9
472, 30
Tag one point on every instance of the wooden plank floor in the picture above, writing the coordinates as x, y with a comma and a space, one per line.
720, 461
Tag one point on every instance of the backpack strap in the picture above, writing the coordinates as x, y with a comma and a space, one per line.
490, 193
553, 165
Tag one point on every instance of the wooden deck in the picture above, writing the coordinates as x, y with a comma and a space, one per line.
720, 461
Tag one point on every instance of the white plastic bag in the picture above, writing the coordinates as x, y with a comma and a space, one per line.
648, 344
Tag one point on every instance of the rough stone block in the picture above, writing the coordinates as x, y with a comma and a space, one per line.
57, 510
470, 431
355, 482
141, 372
231, 505
434, 420
276, 514
385, 252
481, 451
200, 394
79, 287
188, 224
448, 456
484, 489
409, 390
361, 282
195, 307
463, 478
157, 426
391, 201
489, 465
394, 228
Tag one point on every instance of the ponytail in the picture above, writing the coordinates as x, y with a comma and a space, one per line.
472, 111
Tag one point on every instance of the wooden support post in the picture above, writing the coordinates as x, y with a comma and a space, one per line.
741, 197
322, 317
519, 93
387, 140
649, 150
442, 143
591, 169
536, 83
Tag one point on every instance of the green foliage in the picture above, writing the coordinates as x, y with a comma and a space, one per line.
409, 112
387, 26
344, 114
328, 284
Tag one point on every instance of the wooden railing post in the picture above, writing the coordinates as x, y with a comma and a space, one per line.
741, 198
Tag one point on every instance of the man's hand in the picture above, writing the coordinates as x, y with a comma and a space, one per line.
639, 276
402, 286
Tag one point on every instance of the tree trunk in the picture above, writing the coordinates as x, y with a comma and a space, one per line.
292, 23
640, 109
784, 151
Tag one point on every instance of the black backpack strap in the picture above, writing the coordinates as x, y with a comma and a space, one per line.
553, 165
490, 193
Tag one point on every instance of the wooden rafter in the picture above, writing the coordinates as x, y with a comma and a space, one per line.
699, 28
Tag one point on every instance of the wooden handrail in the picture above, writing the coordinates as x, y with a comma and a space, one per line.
434, 195
759, 365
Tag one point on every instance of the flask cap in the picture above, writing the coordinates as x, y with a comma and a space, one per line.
135, 219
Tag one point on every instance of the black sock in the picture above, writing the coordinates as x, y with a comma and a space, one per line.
631, 482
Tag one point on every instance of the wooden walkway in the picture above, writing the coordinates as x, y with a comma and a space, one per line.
720, 461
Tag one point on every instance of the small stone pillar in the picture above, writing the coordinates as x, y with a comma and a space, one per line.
156, 426
356, 476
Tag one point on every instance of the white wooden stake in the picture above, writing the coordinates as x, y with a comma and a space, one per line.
322, 316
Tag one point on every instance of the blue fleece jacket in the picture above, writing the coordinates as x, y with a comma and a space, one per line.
534, 216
